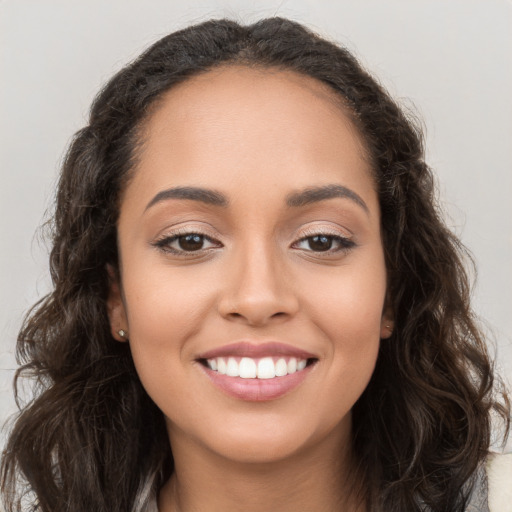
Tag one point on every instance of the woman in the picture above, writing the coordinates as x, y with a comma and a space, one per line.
256, 304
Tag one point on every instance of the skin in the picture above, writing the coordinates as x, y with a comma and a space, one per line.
255, 136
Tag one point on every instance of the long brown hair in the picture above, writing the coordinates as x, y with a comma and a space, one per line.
92, 440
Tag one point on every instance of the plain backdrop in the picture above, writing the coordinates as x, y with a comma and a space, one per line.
449, 61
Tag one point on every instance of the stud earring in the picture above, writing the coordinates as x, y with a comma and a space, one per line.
122, 333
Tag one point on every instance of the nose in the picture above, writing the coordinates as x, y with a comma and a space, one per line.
259, 289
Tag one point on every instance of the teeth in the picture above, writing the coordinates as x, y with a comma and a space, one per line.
281, 368
292, 365
264, 368
221, 366
247, 368
232, 368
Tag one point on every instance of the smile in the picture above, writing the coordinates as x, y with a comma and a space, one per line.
257, 372
249, 368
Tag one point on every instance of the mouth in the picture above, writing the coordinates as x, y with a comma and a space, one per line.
257, 372
269, 367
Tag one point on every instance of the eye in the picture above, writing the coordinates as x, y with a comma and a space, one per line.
325, 243
187, 243
184, 243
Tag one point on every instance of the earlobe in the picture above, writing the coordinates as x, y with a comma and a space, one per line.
387, 323
386, 327
115, 307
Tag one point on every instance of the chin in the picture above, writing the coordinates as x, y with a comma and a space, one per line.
261, 451
265, 440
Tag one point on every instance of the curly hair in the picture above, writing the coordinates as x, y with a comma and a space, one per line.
91, 439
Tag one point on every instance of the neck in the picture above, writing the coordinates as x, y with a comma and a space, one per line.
320, 478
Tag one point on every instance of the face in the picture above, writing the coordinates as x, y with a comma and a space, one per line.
253, 280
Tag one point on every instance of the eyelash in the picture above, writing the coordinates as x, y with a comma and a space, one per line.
345, 243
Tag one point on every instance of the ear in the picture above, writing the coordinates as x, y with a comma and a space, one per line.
115, 306
387, 322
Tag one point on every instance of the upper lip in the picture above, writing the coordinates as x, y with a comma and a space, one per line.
256, 350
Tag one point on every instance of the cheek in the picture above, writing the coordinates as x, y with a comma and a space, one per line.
348, 311
166, 305
348, 304
165, 309
347, 371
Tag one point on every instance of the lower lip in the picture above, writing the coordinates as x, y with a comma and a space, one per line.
257, 390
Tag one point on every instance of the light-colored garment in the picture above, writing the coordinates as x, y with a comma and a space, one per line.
152, 506
499, 476
493, 493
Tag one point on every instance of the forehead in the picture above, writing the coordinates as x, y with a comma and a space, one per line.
240, 96
251, 127
234, 81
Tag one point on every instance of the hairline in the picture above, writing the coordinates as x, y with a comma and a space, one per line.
327, 92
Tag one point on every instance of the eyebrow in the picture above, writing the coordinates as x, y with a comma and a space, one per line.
293, 200
204, 195
314, 194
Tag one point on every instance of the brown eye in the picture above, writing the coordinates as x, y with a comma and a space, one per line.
320, 243
325, 243
192, 242
186, 243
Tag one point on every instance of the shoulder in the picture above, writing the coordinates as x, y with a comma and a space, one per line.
499, 481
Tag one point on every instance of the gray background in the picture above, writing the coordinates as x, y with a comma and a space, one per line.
448, 60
